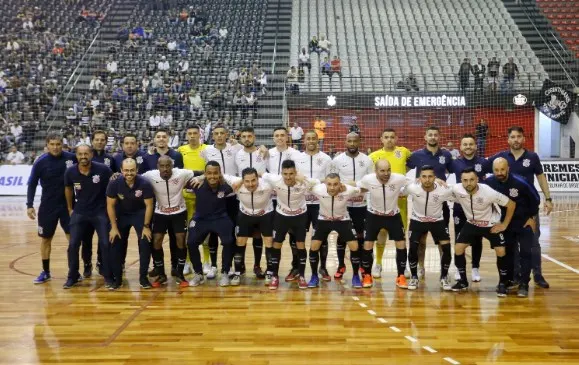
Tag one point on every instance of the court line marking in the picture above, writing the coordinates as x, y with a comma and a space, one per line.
371, 312
452, 361
411, 339
382, 320
363, 305
429, 349
395, 329
560, 263
355, 299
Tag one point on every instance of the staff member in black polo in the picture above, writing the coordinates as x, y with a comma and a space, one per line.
134, 195
86, 183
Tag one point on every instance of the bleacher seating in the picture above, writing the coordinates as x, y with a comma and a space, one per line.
384, 39
564, 16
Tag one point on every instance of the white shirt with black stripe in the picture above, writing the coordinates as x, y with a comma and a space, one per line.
291, 200
254, 159
276, 157
479, 208
256, 203
225, 157
352, 169
334, 208
427, 205
383, 198
314, 167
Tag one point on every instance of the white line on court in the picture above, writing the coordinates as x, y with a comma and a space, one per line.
355, 299
395, 329
382, 320
363, 305
560, 263
411, 339
371, 312
429, 349
451, 360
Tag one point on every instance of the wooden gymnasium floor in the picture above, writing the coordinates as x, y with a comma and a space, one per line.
252, 325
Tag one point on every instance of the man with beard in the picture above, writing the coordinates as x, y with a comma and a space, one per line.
130, 204
314, 164
86, 186
527, 164
131, 150
170, 213
483, 220
384, 188
521, 231
482, 167
49, 170
397, 156
440, 160
352, 165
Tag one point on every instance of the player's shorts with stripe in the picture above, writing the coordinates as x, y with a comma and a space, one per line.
471, 234
438, 230
358, 217
48, 219
296, 224
162, 222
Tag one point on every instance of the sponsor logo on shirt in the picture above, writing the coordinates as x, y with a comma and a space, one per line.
77, 186
479, 200
319, 161
96, 179
478, 223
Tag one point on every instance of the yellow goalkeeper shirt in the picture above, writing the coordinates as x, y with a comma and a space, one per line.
192, 160
397, 158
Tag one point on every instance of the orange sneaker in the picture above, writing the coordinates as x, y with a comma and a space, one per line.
401, 282
367, 281
184, 284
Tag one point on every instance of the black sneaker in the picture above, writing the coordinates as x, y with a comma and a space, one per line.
259, 274
161, 280
155, 272
523, 291
541, 282
145, 283
87, 273
115, 286
99, 269
460, 285
501, 290
70, 283
109, 284
512, 285
174, 272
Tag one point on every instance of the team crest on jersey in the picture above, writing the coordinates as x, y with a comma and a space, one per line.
340, 198
478, 167
69, 163
258, 158
526, 162
220, 194
121, 196
514, 192
77, 186
138, 193
397, 154
139, 160
192, 223
107, 161
174, 181
391, 187
456, 220
442, 160
96, 179
435, 198
361, 163
320, 162
479, 200
228, 153
40, 230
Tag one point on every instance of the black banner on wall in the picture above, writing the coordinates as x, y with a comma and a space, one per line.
555, 102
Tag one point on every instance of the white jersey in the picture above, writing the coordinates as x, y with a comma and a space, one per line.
291, 201
352, 169
254, 159
427, 205
383, 198
479, 208
334, 208
168, 193
225, 157
314, 167
276, 158
255, 203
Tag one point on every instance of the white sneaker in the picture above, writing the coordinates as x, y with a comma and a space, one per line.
235, 280
421, 273
267, 280
413, 284
475, 275
445, 284
231, 271
187, 269
407, 273
377, 271
224, 280
212, 273
456, 275
197, 280
206, 268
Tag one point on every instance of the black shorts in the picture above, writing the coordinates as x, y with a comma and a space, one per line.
247, 225
392, 224
471, 234
446, 213
438, 230
283, 224
200, 229
358, 217
459, 219
163, 222
344, 229
313, 214
232, 207
48, 219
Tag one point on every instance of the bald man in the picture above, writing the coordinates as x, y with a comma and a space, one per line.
384, 188
520, 234
130, 204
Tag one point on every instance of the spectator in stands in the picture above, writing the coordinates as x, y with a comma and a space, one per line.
207, 54
304, 60
172, 45
292, 80
16, 132
222, 33
464, 74
163, 65
167, 120
453, 151
251, 102
157, 84
324, 45
262, 81
95, 84
145, 84
481, 133
479, 71
326, 67
493, 68
15, 157
155, 121
27, 24
173, 139
239, 102
410, 83
84, 139
314, 45
195, 102
510, 71
183, 65
336, 67
216, 97
354, 127
296, 133
112, 67
320, 128
232, 78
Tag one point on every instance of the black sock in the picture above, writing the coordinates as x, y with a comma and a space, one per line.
213, 248
303, 258
502, 267
239, 258
181, 257
341, 250
460, 263
366, 261
476, 250
413, 258
268, 269
401, 258
314, 260
445, 260
355, 261
275, 258
46, 266
159, 260
323, 254
257, 251
509, 259
295, 258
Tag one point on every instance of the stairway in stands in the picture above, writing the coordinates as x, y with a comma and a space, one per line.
275, 59
536, 28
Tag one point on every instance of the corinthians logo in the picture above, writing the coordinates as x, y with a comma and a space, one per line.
555, 102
